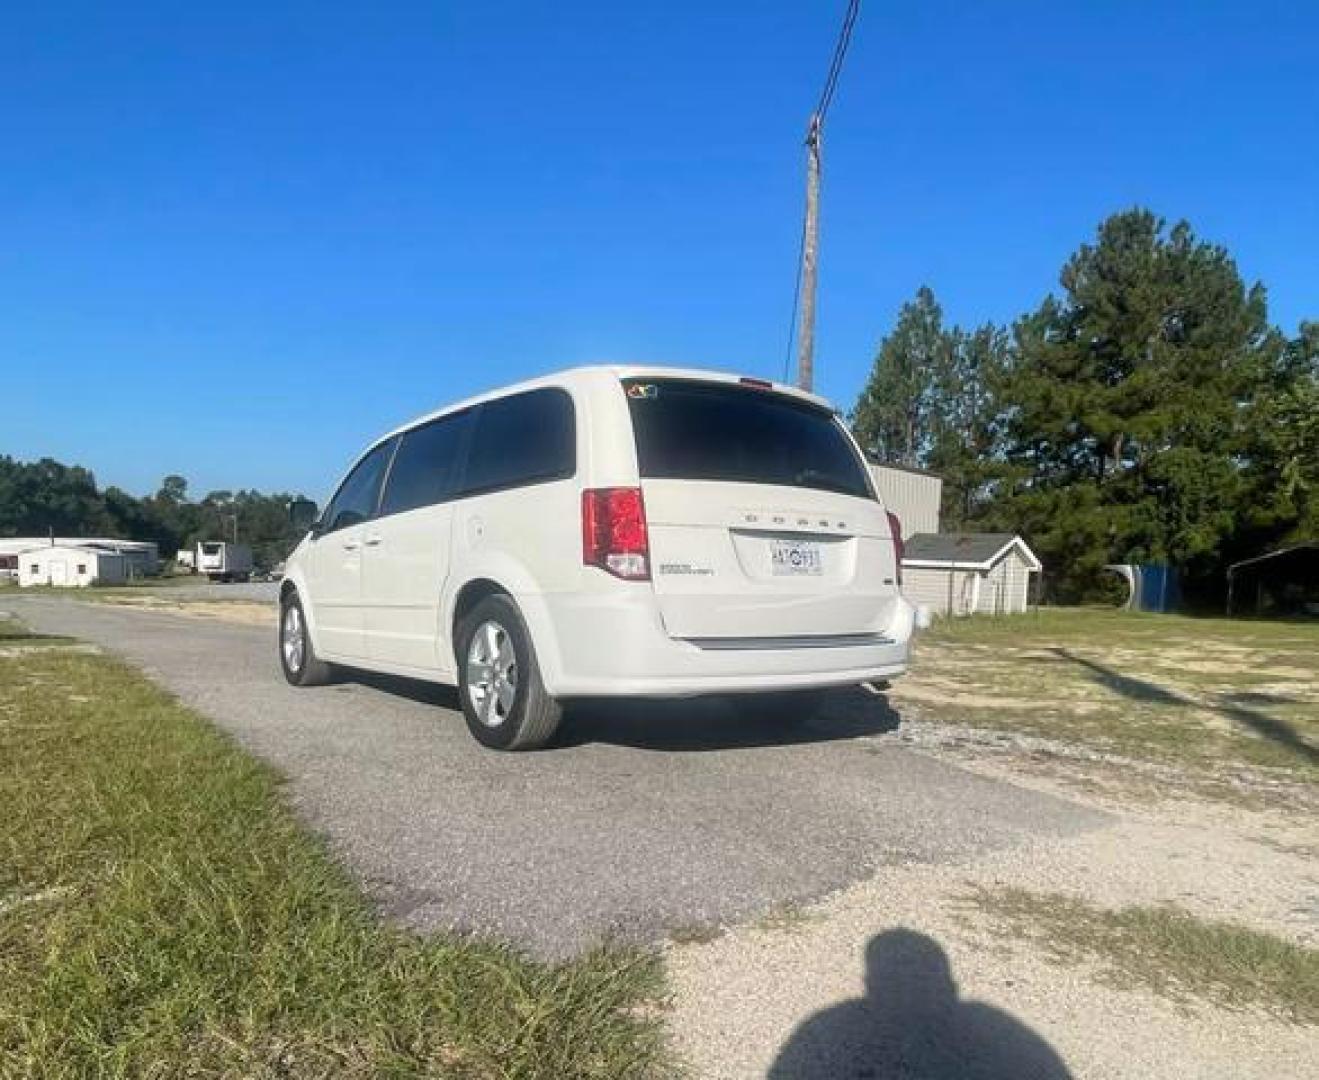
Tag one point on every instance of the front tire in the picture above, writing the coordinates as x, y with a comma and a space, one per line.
296, 655
499, 684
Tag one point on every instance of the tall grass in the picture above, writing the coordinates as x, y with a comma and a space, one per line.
162, 913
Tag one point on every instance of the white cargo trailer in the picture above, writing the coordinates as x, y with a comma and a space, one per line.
221, 561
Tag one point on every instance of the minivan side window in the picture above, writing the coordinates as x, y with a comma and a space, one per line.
355, 501
425, 469
527, 438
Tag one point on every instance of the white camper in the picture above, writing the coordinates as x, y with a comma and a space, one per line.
221, 561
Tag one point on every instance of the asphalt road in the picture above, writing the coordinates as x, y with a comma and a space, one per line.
642, 819
198, 588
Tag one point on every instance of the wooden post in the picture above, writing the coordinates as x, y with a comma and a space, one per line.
810, 248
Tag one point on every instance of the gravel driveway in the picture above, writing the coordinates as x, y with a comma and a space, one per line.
641, 821
261, 592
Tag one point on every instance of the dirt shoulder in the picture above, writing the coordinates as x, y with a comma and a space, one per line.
244, 612
253, 604
1177, 942
838, 989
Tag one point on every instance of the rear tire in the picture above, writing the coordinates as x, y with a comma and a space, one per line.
297, 657
499, 684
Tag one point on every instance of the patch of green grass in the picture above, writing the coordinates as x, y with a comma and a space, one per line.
1206, 693
1166, 950
1095, 624
695, 933
162, 913
787, 916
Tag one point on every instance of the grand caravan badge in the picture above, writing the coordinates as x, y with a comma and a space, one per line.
642, 391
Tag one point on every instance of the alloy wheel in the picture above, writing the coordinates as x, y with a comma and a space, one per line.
492, 673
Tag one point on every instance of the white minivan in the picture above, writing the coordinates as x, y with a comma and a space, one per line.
607, 531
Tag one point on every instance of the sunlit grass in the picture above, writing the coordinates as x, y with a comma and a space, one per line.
1165, 949
1205, 693
162, 913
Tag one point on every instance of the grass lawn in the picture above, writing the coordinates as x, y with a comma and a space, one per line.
162, 913
1166, 950
1204, 694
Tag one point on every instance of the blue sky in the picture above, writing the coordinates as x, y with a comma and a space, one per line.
235, 243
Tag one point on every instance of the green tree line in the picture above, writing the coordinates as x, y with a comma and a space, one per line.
1147, 412
44, 497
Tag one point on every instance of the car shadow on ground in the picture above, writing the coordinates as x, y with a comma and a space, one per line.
911, 1024
688, 724
418, 690
724, 723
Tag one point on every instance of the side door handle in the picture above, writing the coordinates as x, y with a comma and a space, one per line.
373, 541
351, 545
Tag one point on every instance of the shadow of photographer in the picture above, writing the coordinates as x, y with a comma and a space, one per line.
911, 1025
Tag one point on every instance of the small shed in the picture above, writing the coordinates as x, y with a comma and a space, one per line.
969, 573
71, 567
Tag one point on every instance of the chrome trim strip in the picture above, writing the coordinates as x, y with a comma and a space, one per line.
816, 641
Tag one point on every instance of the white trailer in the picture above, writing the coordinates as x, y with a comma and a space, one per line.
221, 561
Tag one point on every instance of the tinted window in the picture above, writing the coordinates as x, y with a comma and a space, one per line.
708, 431
425, 469
356, 498
522, 439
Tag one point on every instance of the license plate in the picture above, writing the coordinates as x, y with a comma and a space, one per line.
791, 557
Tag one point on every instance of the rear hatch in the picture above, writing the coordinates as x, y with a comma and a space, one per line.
764, 528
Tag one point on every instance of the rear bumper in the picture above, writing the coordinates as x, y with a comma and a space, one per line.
609, 645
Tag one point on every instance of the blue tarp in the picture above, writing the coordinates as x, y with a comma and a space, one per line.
1153, 586
1156, 588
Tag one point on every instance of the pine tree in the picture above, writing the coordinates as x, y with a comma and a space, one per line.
1127, 424
892, 416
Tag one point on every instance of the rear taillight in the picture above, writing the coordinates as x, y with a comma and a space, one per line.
895, 529
614, 535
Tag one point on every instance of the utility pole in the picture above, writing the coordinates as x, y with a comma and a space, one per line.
809, 250
810, 239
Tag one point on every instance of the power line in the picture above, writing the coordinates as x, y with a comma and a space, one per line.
804, 295
796, 303
835, 68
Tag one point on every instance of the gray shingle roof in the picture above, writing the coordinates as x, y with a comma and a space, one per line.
956, 547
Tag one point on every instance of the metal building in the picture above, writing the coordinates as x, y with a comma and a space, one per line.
912, 494
143, 556
1284, 582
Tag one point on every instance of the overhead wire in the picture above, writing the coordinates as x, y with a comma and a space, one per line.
836, 64
813, 132
796, 303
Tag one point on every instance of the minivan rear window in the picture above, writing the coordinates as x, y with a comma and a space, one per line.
691, 430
